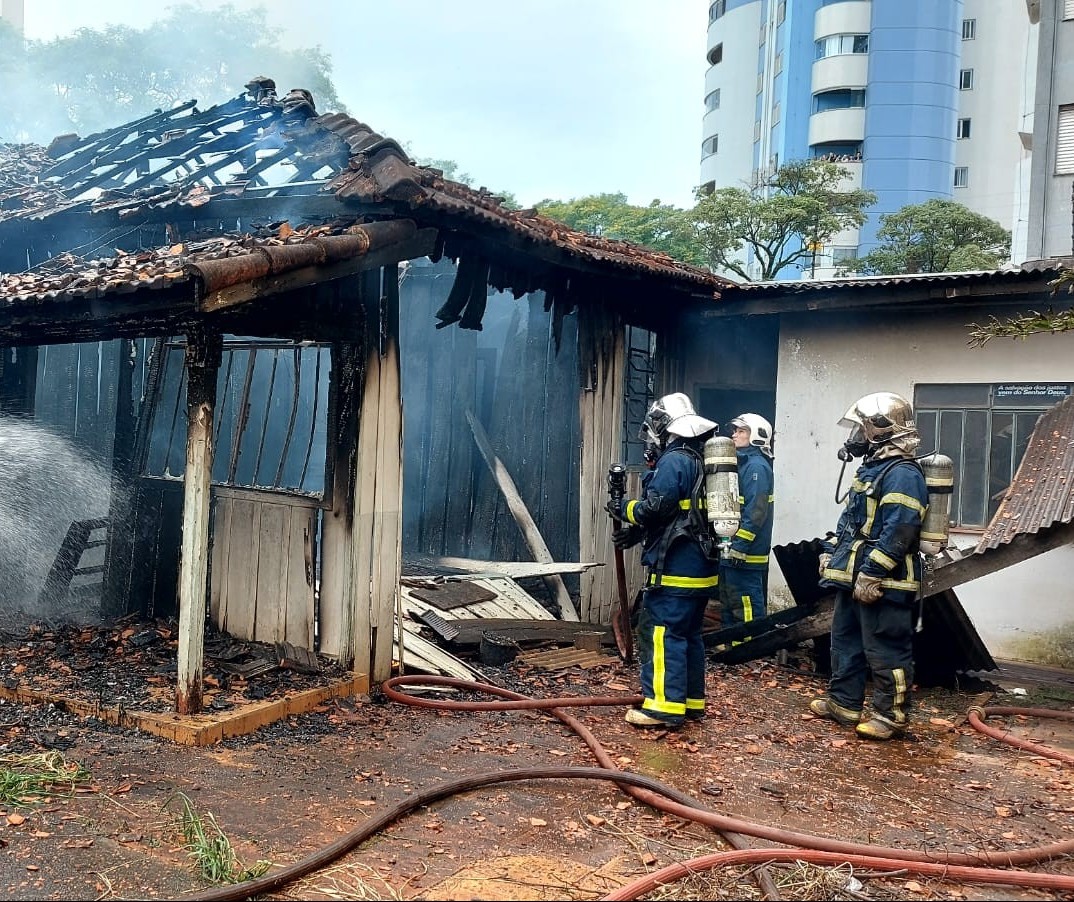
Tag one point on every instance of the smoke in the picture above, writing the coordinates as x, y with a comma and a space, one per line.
46, 484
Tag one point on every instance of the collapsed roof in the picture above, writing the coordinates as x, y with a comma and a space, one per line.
258, 160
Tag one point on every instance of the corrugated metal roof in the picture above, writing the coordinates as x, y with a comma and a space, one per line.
1042, 491
1027, 270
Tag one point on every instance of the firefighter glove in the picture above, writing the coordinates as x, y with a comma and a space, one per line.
615, 508
627, 537
822, 563
867, 589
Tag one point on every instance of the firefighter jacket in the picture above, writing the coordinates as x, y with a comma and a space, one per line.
751, 544
879, 529
672, 553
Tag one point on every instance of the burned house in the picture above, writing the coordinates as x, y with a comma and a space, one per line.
301, 359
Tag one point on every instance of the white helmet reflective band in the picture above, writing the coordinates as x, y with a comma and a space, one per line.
674, 414
759, 428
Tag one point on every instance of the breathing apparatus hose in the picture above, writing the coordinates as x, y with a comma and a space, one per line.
985, 867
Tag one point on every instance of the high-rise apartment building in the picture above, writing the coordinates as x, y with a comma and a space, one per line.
917, 99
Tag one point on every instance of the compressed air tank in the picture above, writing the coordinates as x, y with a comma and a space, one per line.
940, 480
721, 486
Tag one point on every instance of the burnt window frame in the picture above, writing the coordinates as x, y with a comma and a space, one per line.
163, 456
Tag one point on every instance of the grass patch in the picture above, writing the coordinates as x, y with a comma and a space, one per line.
210, 849
30, 778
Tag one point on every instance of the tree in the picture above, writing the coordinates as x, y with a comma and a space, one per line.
451, 171
1032, 323
936, 236
96, 79
659, 227
779, 218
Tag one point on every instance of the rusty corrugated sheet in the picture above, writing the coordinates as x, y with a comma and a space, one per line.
1042, 491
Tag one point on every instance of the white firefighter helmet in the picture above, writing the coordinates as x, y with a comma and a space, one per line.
759, 428
881, 417
674, 414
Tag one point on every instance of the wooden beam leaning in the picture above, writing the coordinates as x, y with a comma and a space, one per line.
523, 518
203, 354
1021, 548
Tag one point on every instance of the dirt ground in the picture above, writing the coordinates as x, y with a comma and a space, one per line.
290, 788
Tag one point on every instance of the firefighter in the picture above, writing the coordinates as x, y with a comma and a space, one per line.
680, 577
744, 569
873, 562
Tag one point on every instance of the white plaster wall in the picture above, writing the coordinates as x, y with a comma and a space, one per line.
827, 362
733, 164
1003, 59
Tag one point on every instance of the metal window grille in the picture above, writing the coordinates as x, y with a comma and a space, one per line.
271, 416
639, 390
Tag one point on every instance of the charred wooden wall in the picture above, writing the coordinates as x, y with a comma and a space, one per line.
522, 390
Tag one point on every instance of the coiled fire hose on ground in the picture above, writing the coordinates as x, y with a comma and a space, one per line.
986, 867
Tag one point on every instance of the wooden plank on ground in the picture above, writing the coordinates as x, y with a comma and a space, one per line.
562, 658
469, 632
513, 569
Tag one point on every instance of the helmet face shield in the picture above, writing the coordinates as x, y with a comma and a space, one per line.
880, 418
673, 414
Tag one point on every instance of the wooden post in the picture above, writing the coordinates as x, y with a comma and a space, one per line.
203, 352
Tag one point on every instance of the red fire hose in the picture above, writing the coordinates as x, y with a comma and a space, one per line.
985, 867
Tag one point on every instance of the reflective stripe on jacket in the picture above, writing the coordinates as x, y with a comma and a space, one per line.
751, 544
880, 528
662, 511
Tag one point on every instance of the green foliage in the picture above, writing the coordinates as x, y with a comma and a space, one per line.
936, 236
451, 171
210, 849
97, 79
659, 227
1033, 323
777, 218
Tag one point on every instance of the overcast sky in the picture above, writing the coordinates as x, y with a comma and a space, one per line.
544, 98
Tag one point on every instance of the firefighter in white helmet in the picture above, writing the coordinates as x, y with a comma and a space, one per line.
873, 562
744, 570
680, 577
